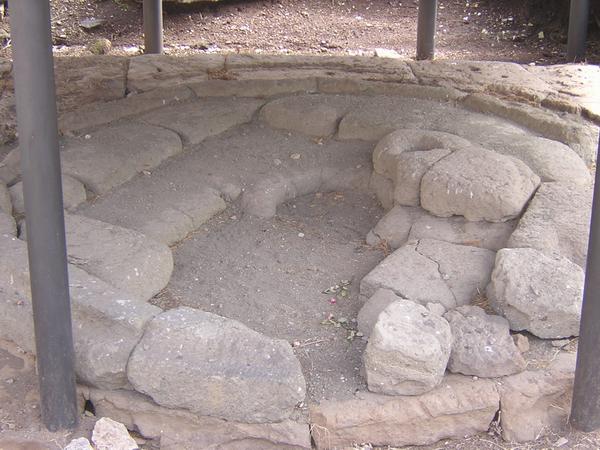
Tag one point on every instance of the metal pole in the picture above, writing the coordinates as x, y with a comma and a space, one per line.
585, 409
153, 26
578, 25
42, 189
426, 29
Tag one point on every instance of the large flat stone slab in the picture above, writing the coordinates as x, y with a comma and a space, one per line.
557, 221
536, 292
215, 366
314, 115
177, 428
107, 323
431, 271
147, 72
260, 88
123, 258
408, 350
459, 407
478, 184
101, 113
197, 120
73, 192
107, 158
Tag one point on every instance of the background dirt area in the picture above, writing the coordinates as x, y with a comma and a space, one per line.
509, 30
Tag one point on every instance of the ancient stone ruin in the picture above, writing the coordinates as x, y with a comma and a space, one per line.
466, 312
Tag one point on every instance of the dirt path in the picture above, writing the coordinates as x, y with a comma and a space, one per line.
478, 30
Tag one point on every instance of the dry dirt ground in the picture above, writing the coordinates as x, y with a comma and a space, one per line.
509, 30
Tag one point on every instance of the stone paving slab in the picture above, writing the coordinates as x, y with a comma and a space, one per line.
98, 114
110, 156
148, 72
260, 88
73, 194
195, 121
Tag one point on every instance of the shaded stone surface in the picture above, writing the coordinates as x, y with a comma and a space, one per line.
459, 407
479, 185
215, 366
107, 323
101, 113
482, 344
314, 115
557, 221
107, 158
197, 120
536, 292
178, 428
537, 403
368, 314
408, 350
458, 230
396, 226
5, 200
7, 224
73, 194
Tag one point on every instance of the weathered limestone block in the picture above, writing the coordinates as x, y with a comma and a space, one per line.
197, 120
259, 88
557, 221
215, 366
537, 403
395, 227
111, 435
107, 158
6, 205
314, 115
479, 185
7, 224
147, 72
431, 271
179, 429
459, 407
411, 168
482, 344
536, 292
408, 350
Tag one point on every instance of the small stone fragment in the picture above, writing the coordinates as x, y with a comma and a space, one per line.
408, 350
79, 444
111, 435
522, 342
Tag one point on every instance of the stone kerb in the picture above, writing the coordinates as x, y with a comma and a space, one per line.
457, 173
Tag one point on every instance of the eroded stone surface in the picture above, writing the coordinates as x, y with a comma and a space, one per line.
411, 168
260, 88
395, 227
537, 403
178, 428
557, 221
459, 407
479, 185
107, 158
536, 292
482, 344
408, 350
215, 366
7, 224
197, 120
5, 200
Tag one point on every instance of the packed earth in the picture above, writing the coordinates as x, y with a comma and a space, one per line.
309, 251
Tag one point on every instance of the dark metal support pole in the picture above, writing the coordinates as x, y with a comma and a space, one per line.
153, 26
578, 25
40, 163
585, 409
426, 29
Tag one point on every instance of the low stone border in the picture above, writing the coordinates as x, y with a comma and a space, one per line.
141, 365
